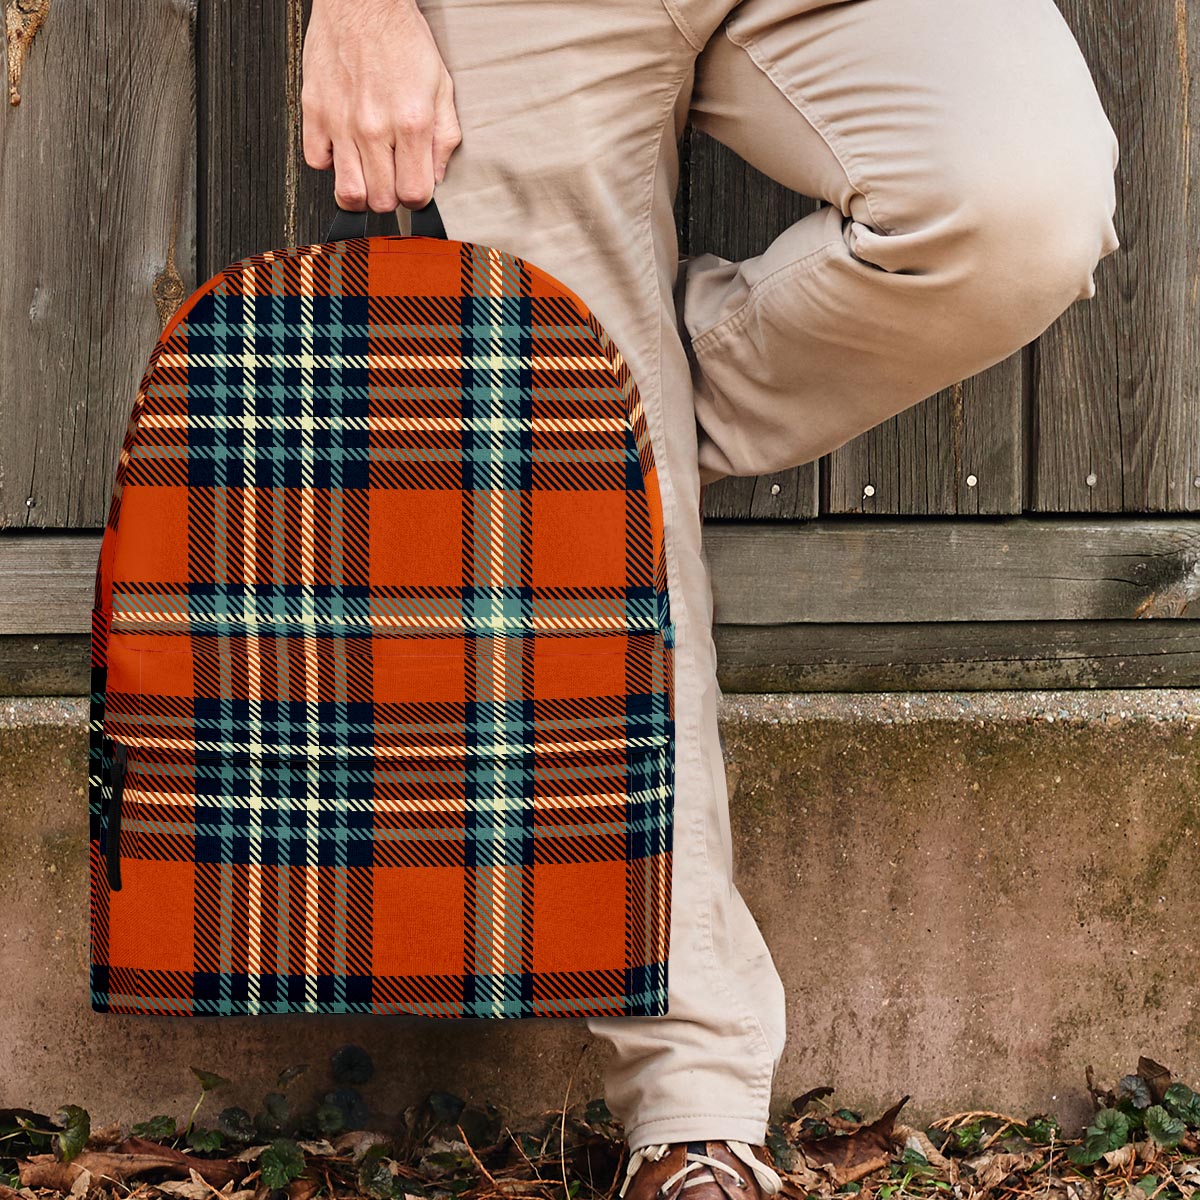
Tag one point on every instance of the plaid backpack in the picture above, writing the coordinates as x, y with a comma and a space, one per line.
382, 655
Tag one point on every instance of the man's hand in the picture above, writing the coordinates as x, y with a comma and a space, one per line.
378, 103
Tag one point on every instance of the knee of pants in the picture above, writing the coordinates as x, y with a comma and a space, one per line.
1007, 243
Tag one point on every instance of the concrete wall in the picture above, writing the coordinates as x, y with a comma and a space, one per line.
970, 896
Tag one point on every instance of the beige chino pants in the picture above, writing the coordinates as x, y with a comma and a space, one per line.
968, 170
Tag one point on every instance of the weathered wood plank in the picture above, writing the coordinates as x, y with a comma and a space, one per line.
47, 582
54, 665
1118, 382
1006, 569
957, 656
257, 192
958, 452
97, 204
807, 657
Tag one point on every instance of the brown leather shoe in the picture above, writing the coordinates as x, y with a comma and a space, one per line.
718, 1170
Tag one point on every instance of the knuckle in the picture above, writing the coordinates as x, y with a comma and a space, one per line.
412, 197
372, 127
350, 196
414, 120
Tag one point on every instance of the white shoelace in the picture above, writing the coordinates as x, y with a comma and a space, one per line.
768, 1179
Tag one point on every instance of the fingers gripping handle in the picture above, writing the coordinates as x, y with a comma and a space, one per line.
426, 222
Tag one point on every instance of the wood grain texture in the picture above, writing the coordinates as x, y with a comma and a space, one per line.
97, 225
841, 572
957, 656
47, 582
53, 665
1117, 401
810, 657
256, 191
957, 453
998, 569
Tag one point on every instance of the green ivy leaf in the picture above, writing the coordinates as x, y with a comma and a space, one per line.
352, 1064
445, 1107
157, 1129
289, 1073
281, 1162
236, 1125
75, 1126
1165, 1129
375, 1171
207, 1141
1136, 1089
330, 1118
1109, 1130
1180, 1101
1084, 1154
209, 1080
1043, 1129
1112, 1126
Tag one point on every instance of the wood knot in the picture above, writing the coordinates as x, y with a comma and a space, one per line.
22, 20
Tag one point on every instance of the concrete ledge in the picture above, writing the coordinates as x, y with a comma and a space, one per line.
970, 896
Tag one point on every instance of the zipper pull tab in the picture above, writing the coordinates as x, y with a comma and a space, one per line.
113, 842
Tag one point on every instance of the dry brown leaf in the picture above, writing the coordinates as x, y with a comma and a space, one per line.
321, 1148
1123, 1156
303, 1187
188, 1189
44, 1170
1157, 1077
918, 1139
847, 1158
356, 1142
992, 1167
217, 1171
1148, 1151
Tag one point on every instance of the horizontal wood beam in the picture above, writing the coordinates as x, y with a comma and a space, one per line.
957, 656
836, 572
47, 582
1003, 569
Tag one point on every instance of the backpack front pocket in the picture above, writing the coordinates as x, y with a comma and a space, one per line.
416, 852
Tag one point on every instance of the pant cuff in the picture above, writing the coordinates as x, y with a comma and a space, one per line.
697, 1127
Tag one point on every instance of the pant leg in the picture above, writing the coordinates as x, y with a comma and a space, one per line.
968, 167
570, 111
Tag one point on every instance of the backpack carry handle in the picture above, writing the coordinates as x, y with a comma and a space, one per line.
426, 222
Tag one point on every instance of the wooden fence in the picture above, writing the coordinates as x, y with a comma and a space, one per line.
1014, 530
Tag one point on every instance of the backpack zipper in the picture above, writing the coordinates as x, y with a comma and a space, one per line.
113, 844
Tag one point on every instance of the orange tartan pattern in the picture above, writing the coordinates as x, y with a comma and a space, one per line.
382, 653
